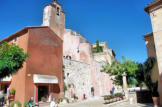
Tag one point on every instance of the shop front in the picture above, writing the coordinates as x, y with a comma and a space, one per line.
44, 87
4, 84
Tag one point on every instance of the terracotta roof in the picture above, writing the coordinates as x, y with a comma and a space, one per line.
154, 2
21, 31
148, 34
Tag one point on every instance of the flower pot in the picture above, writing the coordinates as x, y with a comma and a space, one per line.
155, 101
12, 97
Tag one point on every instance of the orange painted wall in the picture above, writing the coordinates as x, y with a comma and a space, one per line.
45, 49
18, 80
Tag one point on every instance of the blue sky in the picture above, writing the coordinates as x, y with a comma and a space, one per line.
121, 23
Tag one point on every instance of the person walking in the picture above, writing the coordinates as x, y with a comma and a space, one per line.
53, 103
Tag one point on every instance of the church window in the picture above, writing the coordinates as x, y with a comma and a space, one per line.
67, 74
58, 11
15, 40
70, 57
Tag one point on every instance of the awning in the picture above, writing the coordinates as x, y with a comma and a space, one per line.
7, 79
38, 78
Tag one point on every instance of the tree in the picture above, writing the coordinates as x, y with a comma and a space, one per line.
143, 75
117, 68
98, 48
11, 59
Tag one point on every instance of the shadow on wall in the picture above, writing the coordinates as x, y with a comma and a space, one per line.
147, 105
56, 88
160, 89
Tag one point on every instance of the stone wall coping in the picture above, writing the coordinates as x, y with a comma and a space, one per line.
75, 61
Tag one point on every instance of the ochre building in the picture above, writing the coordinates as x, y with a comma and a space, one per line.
154, 41
41, 75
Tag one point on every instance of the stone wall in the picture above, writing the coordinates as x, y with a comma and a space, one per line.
76, 46
151, 51
101, 81
104, 56
81, 77
77, 79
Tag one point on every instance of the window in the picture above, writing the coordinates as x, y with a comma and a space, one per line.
78, 51
67, 74
15, 40
58, 11
73, 33
70, 57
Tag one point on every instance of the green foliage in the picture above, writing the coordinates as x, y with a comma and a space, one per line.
12, 104
117, 68
118, 94
143, 74
11, 59
43, 99
65, 88
13, 91
60, 100
113, 96
26, 104
98, 48
63, 68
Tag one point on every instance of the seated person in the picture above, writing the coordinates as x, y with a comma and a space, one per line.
31, 102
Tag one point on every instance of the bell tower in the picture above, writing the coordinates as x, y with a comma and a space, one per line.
54, 17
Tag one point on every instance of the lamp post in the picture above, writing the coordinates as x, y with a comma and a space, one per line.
125, 86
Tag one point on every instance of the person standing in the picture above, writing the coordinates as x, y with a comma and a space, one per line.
53, 103
8, 95
1, 98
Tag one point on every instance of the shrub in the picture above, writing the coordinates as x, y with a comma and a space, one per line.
43, 99
26, 104
65, 88
118, 94
12, 91
113, 96
60, 100
12, 104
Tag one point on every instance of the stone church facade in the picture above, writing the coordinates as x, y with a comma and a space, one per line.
82, 66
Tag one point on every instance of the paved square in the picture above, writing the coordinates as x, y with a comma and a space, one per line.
100, 103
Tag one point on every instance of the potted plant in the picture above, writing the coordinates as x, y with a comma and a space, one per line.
43, 99
12, 94
152, 86
155, 94
144, 75
12, 91
15, 103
